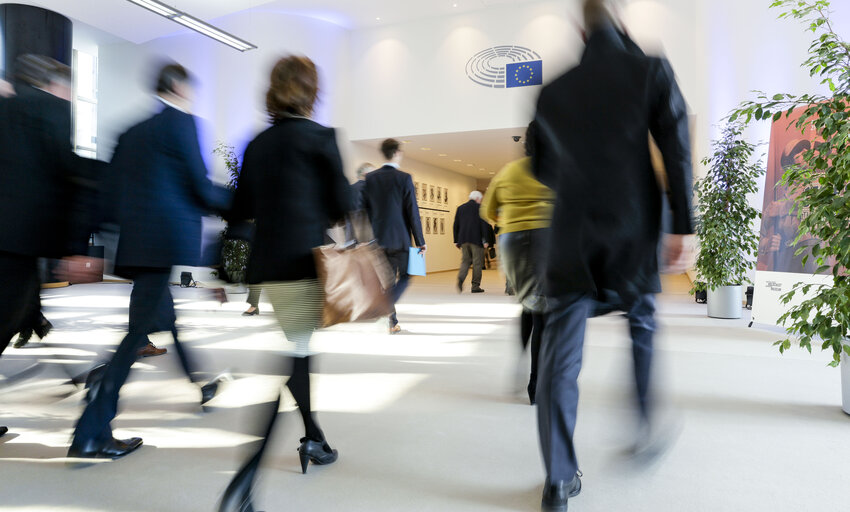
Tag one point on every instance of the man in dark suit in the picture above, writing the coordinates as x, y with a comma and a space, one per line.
593, 150
471, 236
37, 174
360, 185
161, 191
390, 201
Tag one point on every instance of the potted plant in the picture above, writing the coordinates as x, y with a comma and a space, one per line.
820, 185
728, 244
234, 253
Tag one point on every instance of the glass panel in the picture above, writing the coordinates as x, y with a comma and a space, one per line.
86, 124
86, 76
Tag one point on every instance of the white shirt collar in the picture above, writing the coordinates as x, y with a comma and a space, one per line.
172, 105
391, 164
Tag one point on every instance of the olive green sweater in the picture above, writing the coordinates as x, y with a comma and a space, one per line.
516, 201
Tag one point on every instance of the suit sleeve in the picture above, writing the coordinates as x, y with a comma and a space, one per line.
489, 234
243, 200
669, 127
214, 198
338, 199
456, 226
548, 153
411, 211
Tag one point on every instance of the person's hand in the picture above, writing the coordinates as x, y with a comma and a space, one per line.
678, 253
486, 245
6, 89
423, 248
775, 243
457, 245
79, 269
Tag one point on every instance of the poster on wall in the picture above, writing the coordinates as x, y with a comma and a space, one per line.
424, 192
446, 197
431, 195
427, 225
439, 194
778, 268
443, 226
416, 187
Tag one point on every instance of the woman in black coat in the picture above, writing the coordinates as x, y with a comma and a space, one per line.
293, 186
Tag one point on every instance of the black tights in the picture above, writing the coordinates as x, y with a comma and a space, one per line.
299, 386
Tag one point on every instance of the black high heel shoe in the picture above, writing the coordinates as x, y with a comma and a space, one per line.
237, 497
316, 451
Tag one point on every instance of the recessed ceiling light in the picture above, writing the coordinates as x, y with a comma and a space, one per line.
482, 169
405, 142
454, 4
458, 160
442, 154
378, 19
425, 149
470, 165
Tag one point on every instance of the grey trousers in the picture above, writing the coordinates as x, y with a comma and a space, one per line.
254, 295
471, 254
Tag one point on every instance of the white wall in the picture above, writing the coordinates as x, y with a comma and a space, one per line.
231, 90
442, 254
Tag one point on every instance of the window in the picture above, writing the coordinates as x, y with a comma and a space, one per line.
85, 104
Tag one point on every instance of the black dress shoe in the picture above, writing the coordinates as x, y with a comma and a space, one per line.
3, 431
42, 330
459, 286
555, 494
210, 389
23, 338
317, 452
112, 449
532, 391
477, 290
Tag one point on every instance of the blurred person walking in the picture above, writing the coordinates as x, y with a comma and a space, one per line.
359, 186
160, 192
292, 184
522, 208
592, 149
38, 174
472, 236
390, 200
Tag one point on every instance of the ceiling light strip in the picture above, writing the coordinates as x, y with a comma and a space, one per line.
195, 24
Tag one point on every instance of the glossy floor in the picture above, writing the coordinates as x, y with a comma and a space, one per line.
426, 420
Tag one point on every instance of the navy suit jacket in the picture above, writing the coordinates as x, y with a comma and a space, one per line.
469, 227
161, 190
390, 200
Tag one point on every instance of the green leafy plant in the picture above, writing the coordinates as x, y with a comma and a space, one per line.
819, 184
728, 243
234, 253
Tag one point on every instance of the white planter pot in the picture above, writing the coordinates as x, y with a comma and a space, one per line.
845, 383
726, 302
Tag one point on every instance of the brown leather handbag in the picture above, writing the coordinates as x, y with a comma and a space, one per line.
355, 278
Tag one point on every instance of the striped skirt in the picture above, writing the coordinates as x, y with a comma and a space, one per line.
298, 308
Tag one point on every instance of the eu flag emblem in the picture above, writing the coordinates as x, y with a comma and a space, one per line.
521, 74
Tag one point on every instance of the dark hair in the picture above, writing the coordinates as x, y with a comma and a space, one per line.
389, 148
40, 70
293, 89
169, 75
597, 14
530, 135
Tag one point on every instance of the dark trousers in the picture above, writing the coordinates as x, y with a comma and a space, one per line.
531, 333
151, 310
560, 364
471, 255
398, 262
19, 290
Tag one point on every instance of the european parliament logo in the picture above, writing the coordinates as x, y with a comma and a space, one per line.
504, 67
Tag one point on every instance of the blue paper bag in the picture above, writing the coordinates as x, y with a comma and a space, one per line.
416, 262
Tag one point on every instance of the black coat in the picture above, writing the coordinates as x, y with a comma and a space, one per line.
38, 171
293, 185
469, 227
591, 147
161, 191
390, 200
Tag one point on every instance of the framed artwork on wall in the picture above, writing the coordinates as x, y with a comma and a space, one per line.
442, 226
439, 194
446, 196
431, 195
427, 225
416, 186
424, 191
